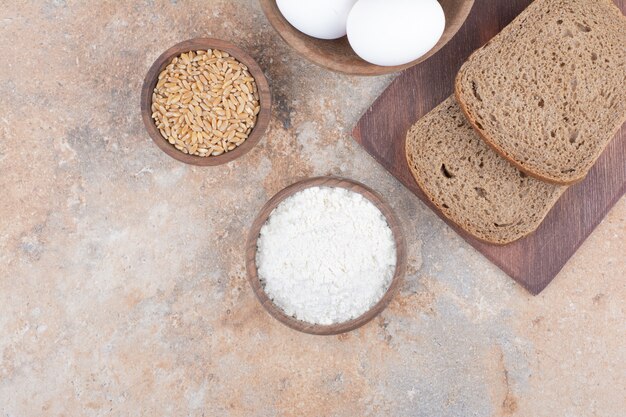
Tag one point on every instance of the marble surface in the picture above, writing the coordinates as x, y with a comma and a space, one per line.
122, 282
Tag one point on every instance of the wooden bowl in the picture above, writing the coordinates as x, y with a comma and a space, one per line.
337, 55
251, 249
265, 100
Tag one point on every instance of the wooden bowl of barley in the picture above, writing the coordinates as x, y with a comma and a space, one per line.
256, 128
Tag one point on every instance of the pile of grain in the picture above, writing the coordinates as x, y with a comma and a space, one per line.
205, 103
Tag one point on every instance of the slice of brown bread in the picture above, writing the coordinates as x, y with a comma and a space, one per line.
470, 183
549, 92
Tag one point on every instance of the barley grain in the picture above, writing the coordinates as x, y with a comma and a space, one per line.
205, 103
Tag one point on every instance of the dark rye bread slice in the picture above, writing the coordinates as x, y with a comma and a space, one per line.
470, 183
549, 92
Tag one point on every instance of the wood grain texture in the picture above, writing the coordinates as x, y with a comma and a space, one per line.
265, 100
251, 249
337, 55
535, 260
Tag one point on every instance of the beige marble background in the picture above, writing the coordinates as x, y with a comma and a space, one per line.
122, 282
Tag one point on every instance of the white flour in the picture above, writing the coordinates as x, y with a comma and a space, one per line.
326, 255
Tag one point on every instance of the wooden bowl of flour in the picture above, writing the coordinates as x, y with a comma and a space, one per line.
336, 328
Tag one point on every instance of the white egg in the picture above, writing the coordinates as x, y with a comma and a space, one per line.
324, 19
394, 32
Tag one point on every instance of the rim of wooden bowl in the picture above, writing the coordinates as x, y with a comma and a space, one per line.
337, 55
265, 100
261, 219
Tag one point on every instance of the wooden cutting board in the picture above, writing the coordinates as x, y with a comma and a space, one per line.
535, 260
